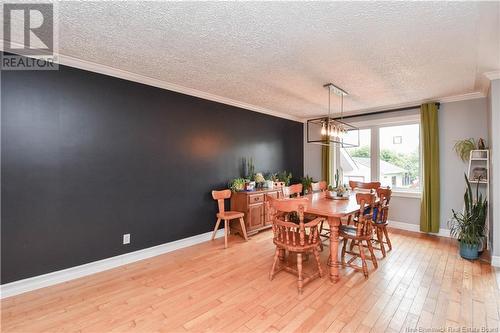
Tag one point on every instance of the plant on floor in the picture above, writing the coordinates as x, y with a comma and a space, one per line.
464, 147
306, 184
469, 225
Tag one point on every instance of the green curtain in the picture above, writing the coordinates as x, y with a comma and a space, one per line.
326, 163
429, 211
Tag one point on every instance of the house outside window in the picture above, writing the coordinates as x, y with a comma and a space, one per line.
389, 152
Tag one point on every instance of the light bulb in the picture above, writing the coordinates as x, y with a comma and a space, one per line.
323, 129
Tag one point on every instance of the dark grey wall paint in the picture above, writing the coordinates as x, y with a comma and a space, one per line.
87, 158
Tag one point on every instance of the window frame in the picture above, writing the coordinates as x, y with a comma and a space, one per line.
374, 125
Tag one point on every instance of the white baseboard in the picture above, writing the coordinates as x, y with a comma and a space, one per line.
495, 261
416, 228
45, 280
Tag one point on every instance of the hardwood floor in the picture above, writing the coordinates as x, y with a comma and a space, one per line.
422, 283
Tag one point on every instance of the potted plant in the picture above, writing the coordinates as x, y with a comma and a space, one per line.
464, 147
285, 177
306, 184
237, 184
469, 225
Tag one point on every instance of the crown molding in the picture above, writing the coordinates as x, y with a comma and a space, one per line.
494, 75
139, 78
462, 97
447, 99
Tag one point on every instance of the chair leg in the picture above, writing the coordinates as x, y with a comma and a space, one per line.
276, 258
316, 255
243, 229
226, 231
374, 259
351, 246
380, 240
300, 282
342, 256
386, 233
215, 229
363, 259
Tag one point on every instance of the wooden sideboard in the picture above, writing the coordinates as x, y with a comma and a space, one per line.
256, 209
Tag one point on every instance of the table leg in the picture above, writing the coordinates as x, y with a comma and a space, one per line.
333, 261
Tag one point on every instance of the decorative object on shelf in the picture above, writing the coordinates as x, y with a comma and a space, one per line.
326, 130
285, 177
464, 147
249, 185
250, 169
479, 173
269, 184
469, 226
237, 184
260, 181
480, 144
307, 184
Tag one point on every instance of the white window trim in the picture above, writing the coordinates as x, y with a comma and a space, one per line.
374, 126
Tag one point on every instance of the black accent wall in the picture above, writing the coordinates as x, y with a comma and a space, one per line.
87, 158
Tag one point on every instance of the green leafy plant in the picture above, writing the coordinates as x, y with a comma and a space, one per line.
464, 147
306, 184
469, 225
250, 169
337, 178
285, 177
237, 184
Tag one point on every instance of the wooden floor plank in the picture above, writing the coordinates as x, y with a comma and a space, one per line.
422, 283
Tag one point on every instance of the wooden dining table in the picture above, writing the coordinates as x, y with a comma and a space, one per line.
333, 210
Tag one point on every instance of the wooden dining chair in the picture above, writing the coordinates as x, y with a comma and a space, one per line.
293, 234
319, 186
365, 186
380, 220
292, 191
360, 234
227, 216
279, 186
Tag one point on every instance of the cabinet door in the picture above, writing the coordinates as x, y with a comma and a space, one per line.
255, 216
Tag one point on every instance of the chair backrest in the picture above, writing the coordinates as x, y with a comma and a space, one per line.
366, 202
292, 190
319, 186
289, 232
279, 186
365, 186
220, 196
384, 195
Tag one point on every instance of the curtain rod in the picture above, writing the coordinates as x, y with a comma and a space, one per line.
383, 111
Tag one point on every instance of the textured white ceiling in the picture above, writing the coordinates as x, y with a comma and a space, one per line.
278, 55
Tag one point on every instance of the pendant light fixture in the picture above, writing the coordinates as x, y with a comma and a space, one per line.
328, 130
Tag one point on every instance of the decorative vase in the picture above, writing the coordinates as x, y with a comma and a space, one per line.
468, 251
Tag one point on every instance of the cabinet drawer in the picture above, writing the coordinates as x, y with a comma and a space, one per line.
256, 198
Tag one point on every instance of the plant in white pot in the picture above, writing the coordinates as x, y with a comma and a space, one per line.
468, 227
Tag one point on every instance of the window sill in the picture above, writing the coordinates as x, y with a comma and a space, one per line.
406, 194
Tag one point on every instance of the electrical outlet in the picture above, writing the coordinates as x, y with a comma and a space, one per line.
126, 239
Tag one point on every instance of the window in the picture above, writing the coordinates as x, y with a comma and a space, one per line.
356, 162
399, 156
389, 152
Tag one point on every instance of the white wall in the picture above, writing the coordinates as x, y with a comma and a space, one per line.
457, 120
